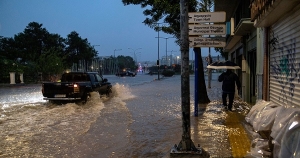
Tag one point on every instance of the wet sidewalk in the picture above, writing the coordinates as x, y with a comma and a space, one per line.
219, 132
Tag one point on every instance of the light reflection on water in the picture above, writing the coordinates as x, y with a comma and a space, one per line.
20, 95
156, 114
37, 128
142, 118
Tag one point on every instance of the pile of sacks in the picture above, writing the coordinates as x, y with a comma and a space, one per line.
278, 128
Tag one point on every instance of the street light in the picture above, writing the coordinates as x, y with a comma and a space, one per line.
167, 49
172, 56
134, 57
115, 52
177, 57
95, 63
158, 49
97, 45
115, 64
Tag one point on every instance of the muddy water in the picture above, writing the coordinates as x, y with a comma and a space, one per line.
142, 118
135, 121
156, 119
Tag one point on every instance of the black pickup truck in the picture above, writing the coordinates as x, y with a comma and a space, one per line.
76, 86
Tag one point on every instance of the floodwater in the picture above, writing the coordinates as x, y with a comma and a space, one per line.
142, 118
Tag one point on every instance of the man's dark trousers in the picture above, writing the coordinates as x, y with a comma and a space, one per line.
231, 96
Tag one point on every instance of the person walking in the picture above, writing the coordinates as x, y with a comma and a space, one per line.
229, 80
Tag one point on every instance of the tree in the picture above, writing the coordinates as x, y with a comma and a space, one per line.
8, 48
169, 12
31, 42
26, 49
78, 49
175, 14
54, 63
126, 62
223, 54
204, 6
35, 46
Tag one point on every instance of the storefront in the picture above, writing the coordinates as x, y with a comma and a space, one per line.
284, 61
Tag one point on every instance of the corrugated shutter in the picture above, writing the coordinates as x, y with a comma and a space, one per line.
284, 46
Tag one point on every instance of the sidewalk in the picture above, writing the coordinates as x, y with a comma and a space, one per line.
220, 132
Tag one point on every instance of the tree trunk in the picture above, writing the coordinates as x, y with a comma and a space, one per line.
202, 92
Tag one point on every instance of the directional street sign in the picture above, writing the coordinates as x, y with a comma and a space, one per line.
207, 42
205, 29
206, 17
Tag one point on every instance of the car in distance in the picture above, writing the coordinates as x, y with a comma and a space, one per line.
126, 73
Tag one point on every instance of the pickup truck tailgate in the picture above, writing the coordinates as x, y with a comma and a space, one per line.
61, 91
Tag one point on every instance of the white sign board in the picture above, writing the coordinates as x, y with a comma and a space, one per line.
206, 17
207, 29
207, 42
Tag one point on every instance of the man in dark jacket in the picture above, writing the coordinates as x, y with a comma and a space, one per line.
229, 80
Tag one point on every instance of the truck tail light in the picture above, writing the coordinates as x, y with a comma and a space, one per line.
76, 88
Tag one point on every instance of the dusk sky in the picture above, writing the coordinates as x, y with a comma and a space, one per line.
107, 23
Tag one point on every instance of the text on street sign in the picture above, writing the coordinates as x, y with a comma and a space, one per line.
207, 42
206, 17
205, 29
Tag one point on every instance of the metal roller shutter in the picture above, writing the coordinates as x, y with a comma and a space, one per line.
284, 46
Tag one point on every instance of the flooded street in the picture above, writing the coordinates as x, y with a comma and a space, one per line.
142, 118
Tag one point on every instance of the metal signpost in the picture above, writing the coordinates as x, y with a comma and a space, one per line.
186, 146
199, 24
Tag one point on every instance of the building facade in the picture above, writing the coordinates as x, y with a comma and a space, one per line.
241, 44
264, 40
279, 21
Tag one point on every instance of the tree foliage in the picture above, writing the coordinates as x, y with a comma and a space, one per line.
35, 50
126, 62
162, 11
54, 62
78, 49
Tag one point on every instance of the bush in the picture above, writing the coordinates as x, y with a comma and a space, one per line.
168, 73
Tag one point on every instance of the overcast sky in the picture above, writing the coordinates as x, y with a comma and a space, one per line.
107, 23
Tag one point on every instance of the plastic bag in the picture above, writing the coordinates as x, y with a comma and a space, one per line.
262, 115
260, 104
287, 142
259, 148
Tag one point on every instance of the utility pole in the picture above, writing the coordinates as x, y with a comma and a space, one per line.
134, 54
115, 64
167, 63
157, 62
186, 145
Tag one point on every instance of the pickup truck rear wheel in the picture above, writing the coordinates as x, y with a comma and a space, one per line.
85, 97
108, 92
